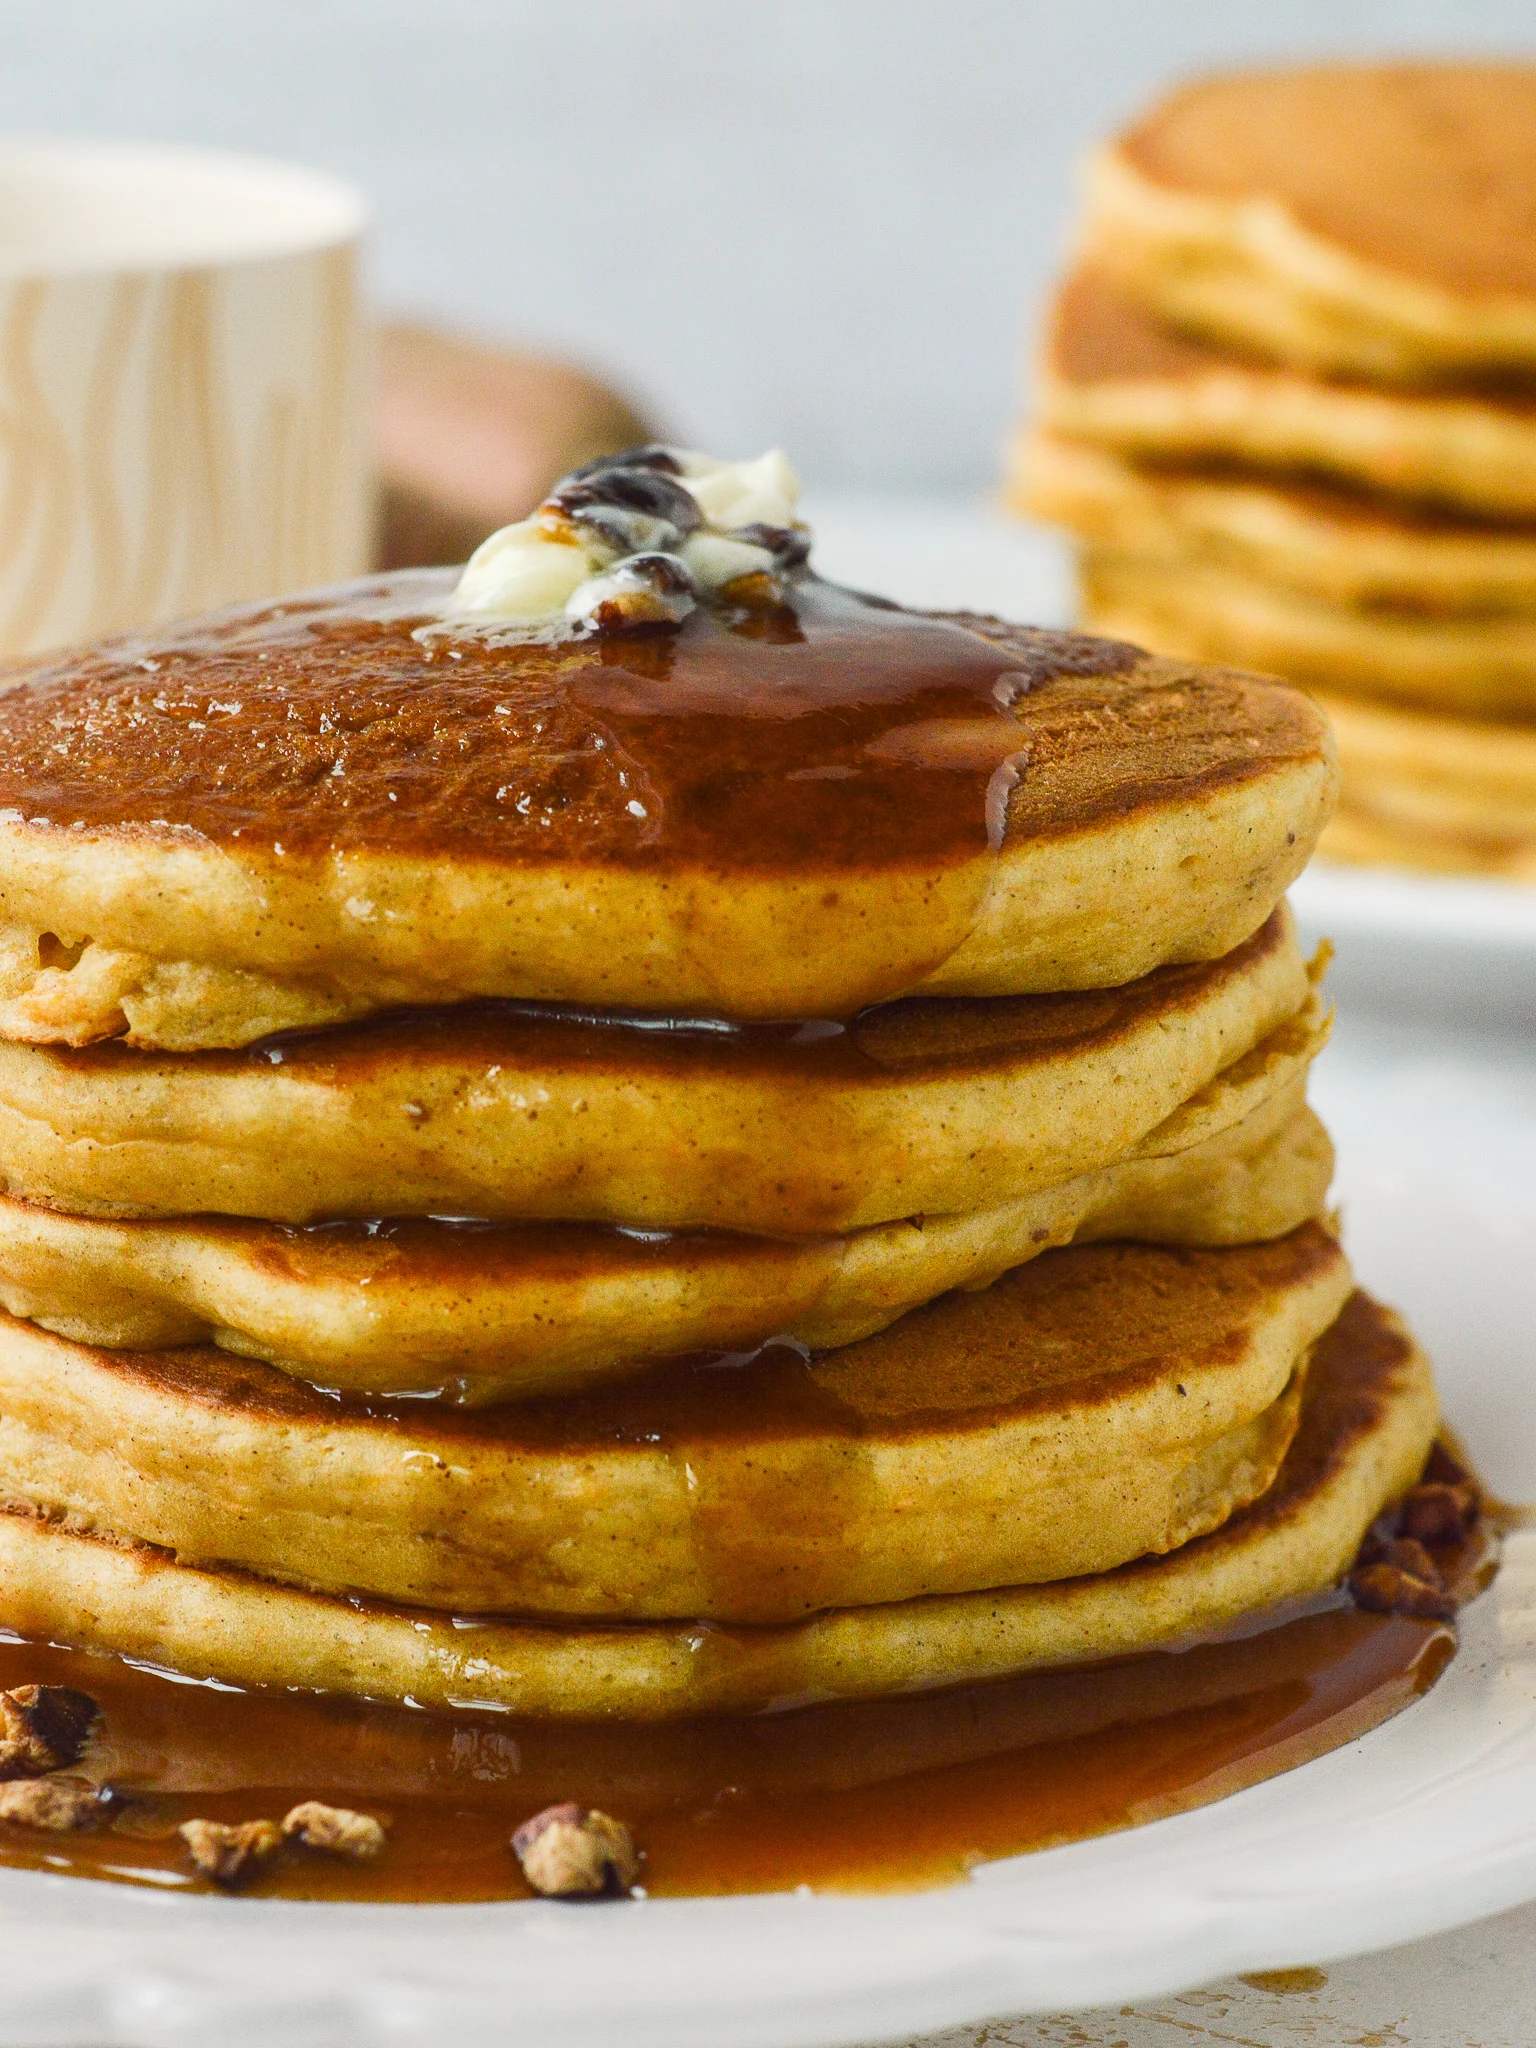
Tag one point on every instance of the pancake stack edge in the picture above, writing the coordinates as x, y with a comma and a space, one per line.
1287, 404
586, 1361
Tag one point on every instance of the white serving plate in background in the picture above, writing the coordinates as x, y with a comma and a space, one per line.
1464, 951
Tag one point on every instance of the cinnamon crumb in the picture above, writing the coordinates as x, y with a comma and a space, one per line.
231, 1856
334, 1830
43, 1728
61, 1805
574, 1852
1384, 1588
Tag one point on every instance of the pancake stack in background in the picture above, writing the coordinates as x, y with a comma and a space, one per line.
785, 1171
1288, 405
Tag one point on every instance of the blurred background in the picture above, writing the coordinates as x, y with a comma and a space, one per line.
824, 223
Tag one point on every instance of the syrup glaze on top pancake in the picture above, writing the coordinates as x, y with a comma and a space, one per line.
784, 811
324, 725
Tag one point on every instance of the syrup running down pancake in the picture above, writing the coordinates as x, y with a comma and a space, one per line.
1368, 1419
1097, 1404
852, 1796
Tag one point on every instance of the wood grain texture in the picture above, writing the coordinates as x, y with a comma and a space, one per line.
173, 441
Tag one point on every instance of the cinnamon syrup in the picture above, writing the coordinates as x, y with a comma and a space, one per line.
324, 723
852, 766
849, 1797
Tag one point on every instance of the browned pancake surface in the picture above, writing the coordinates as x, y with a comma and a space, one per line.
1099, 1324
921, 1037
1352, 1388
1368, 1420
1098, 333
1424, 169
835, 733
1041, 1429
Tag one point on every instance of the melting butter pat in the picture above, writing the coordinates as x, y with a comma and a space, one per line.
521, 572
763, 492
714, 559
564, 571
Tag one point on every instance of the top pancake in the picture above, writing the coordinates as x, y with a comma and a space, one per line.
300, 813
1368, 217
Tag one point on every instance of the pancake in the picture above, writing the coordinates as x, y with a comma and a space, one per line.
1440, 794
1362, 836
487, 1312
926, 1107
299, 813
1482, 664
1113, 376
1368, 1419
1372, 218
1094, 1405
1341, 546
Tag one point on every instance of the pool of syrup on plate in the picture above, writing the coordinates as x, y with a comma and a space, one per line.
855, 1796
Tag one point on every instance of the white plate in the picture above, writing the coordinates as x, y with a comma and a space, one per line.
1423, 1824
1464, 951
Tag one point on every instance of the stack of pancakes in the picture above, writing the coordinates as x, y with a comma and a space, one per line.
1288, 403
688, 1168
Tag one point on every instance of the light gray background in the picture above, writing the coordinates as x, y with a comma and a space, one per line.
820, 222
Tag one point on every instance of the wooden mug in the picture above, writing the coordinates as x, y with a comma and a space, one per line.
185, 386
